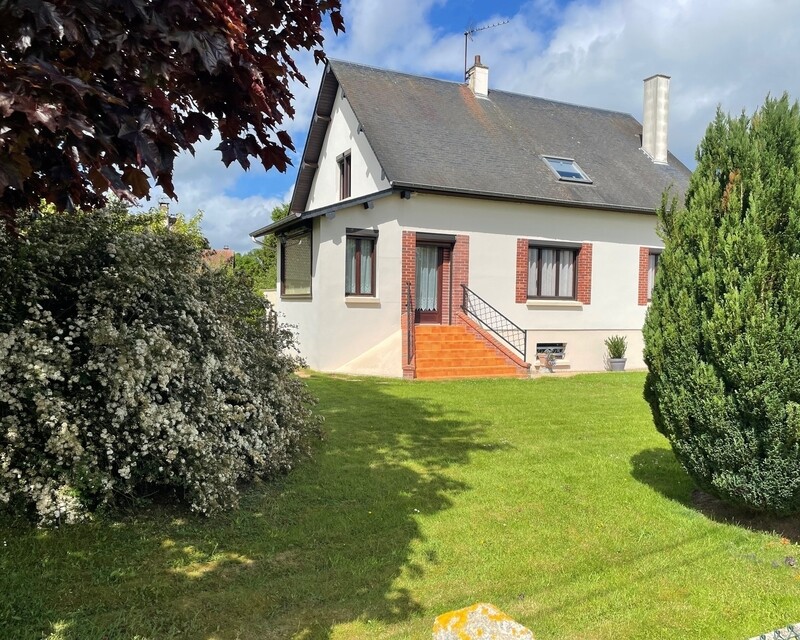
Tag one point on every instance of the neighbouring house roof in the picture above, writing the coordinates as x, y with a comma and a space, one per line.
218, 258
435, 135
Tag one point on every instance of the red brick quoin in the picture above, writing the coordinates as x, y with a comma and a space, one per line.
585, 273
644, 265
584, 293
460, 267
522, 270
408, 271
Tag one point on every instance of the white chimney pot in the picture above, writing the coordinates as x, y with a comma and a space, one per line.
655, 118
478, 78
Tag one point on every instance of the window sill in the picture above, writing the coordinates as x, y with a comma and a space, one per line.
301, 296
554, 304
362, 301
559, 365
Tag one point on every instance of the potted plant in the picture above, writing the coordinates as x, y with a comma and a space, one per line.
616, 345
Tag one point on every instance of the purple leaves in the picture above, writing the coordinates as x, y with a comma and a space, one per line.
103, 94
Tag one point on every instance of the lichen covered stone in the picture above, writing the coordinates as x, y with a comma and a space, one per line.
480, 621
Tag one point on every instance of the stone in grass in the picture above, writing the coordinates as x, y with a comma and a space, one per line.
787, 633
480, 621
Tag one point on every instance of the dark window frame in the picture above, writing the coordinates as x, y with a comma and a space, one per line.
291, 236
651, 285
345, 164
557, 349
584, 179
360, 236
574, 249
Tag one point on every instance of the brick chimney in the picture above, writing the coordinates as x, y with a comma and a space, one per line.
655, 118
478, 78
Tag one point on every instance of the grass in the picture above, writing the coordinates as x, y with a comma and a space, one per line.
553, 499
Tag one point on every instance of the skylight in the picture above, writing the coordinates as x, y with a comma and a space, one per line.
566, 169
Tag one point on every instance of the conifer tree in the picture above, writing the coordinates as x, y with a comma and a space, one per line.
722, 336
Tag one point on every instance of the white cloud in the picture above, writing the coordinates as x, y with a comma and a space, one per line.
202, 183
717, 53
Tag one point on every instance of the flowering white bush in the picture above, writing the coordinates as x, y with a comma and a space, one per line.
127, 365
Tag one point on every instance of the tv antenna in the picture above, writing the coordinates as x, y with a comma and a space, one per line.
468, 36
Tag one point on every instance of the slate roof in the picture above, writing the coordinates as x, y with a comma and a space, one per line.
436, 135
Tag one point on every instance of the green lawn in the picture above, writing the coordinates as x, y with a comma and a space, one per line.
553, 499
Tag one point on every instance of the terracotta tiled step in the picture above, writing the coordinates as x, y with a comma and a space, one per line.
468, 372
454, 352
459, 350
445, 338
458, 355
432, 342
428, 363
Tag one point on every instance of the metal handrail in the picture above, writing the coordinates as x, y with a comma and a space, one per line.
409, 323
489, 317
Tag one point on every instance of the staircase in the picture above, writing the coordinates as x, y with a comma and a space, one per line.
454, 351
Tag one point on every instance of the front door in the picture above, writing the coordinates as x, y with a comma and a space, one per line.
429, 284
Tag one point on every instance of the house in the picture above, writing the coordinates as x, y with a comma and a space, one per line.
219, 258
441, 229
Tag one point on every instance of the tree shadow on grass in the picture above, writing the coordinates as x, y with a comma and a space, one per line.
660, 470
321, 547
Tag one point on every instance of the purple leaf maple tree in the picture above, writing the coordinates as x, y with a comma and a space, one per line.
101, 95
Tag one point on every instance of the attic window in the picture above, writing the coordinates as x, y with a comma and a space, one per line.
345, 165
566, 169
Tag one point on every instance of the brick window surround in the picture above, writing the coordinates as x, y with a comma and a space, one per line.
644, 268
583, 290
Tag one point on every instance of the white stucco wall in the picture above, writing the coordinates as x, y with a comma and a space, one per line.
334, 331
342, 136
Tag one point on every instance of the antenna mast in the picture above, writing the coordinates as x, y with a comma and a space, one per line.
468, 36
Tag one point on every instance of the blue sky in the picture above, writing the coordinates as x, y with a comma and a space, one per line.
592, 52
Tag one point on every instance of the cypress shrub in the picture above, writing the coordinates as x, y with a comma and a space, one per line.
722, 335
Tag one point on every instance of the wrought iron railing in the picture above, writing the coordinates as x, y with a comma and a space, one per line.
490, 318
409, 323
787, 633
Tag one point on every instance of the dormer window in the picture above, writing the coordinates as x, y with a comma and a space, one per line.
344, 175
566, 169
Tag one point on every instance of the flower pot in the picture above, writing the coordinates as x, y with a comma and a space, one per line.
617, 364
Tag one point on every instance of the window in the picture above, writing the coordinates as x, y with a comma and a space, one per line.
652, 266
566, 169
540, 262
555, 350
360, 263
344, 162
296, 264
551, 272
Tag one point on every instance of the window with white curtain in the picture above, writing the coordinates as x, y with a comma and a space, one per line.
360, 266
427, 277
552, 272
